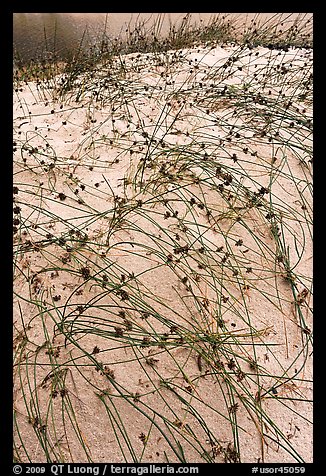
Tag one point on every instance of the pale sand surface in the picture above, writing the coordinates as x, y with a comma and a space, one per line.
238, 346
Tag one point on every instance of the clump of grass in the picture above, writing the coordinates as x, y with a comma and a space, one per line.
146, 36
145, 244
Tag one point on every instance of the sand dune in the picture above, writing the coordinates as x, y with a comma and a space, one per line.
163, 260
